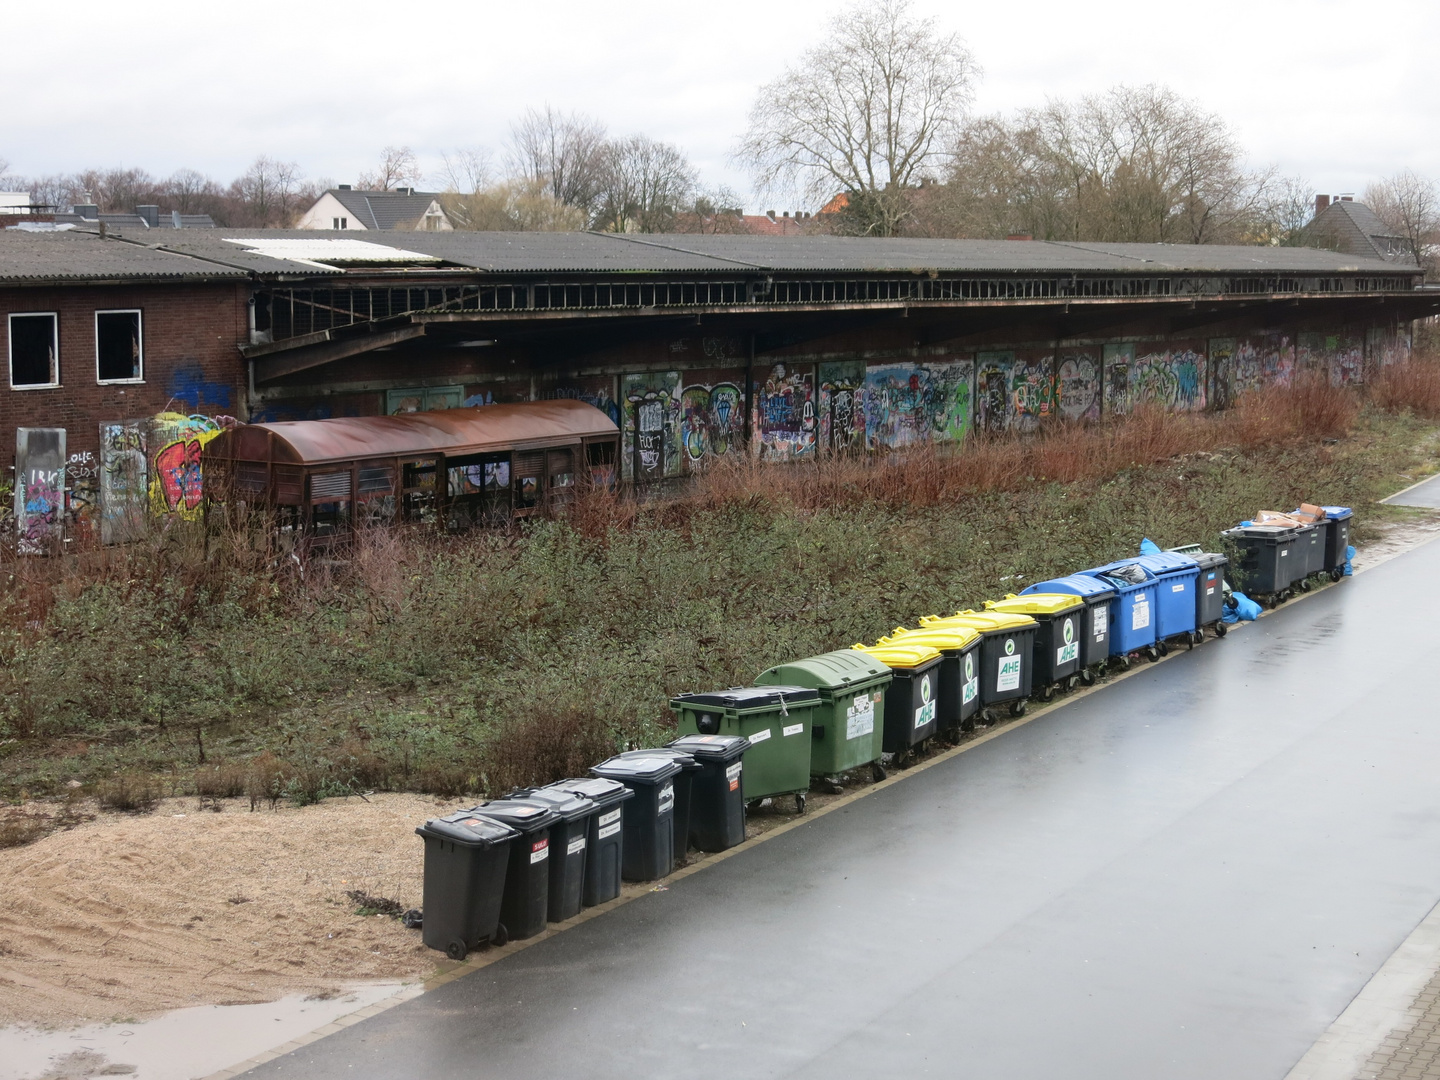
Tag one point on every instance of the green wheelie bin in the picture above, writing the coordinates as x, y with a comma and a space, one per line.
776, 720
848, 730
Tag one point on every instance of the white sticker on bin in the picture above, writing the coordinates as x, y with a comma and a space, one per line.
792, 729
760, 736
1140, 613
666, 799
860, 717
539, 851
924, 714
1008, 676
608, 830
1101, 623
613, 815
578, 844
1178, 588
1066, 653
972, 687
732, 774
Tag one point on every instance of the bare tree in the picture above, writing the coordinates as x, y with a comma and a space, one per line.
190, 192
867, 113
565, 153
398, 167
522, 205
1409, 205
1290, 209
269, 194
466, 170
647, 185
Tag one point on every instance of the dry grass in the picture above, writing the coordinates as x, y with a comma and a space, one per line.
540, 746
1414, 386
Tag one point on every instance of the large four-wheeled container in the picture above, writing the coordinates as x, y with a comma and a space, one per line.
1059, 630
959, 697
847, 727
910, 702
1006, 656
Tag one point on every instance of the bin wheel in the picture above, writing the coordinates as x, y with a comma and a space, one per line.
1221, 629
800, 803
1162, 648
986, 716
1087, 677
456, 950
1337, 573
1047, 692
1072, 682
753, 805
877, 772
1123, 662
1018, 707
1305, 584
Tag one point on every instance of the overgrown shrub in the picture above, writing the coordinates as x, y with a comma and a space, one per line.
1412, 386
131, 793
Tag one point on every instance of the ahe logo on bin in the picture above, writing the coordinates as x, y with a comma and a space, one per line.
1008, 676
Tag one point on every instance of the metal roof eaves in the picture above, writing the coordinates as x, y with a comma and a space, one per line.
675, 247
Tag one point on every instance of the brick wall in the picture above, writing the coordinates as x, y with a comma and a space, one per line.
191, 361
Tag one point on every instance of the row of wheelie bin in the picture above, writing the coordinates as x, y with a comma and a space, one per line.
1290, 552
505, 868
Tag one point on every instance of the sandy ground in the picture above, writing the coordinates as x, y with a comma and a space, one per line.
125, 915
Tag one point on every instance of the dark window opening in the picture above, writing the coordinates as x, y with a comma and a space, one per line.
34, 350
118, 346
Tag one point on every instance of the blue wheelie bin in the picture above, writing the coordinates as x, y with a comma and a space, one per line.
1095, 635
1132, 612
1177, 579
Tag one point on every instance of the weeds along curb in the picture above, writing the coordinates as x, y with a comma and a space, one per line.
450, 971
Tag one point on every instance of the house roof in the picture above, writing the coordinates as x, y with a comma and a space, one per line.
79, 255
384, 209
1356, 229
521, 425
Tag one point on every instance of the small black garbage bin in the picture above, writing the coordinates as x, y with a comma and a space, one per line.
527, 879
717, 790
604, 836
568, 842
465, 862
684, 781
649, 818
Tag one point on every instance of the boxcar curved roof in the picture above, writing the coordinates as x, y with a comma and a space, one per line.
522, 425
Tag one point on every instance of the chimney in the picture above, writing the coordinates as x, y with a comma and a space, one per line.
151, 214
1321, 202
88, 211
787, 213
342, 187
1020, 236
770, 214
1347, 198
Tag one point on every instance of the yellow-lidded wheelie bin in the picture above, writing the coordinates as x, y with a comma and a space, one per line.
959, 647
1006, 656
1059, 618
910, 705
847, 730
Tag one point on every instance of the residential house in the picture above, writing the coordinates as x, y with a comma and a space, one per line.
346, 208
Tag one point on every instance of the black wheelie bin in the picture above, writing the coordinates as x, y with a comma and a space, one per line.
1210, 590
684, 782
959, 697
1267, 557
717, 789
604, 835
1095, 639
1006, 656
1059, 634
568, 843
526, 906
911, 702
465, 862
648, 818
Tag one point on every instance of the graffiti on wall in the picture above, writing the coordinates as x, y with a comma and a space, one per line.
712, 421
82, 491
1261, 362
1386, 345
842, 408
651, 432
124, 481
598, 391
910, 403
1077, 386
1171, 378
1013, 392
1118, 358
784, 413
1341, 356
176, 479
39, 489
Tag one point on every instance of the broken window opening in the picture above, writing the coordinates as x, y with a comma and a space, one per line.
34, 350
119, 349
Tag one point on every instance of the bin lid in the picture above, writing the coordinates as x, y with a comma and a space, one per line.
712, 747
838, 670
1187, 549
1338, 512
1263, 532
987, 622
1167, 562
1208, 560
598, 790
944, 638
1091, 588
567, 804
522, 814
904, 656
685, 760
1040, 603
1124, 572
644, 769
749, 697
474, 830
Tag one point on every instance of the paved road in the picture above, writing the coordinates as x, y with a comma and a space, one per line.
1189, 874
1426, 494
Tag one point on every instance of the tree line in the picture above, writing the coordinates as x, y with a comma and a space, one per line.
873, 129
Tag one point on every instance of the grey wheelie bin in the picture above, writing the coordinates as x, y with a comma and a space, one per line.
526, 906
648, 818
1267, 555
776, 720
684, 781
1210, 590
848, 730
1337, 539
604, 835
1059, 632
1095, 636
465, 863
717, 789
568, 844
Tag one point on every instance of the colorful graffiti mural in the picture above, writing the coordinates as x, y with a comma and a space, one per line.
82, 491
651, 433
842, 407
712, 421
1172, 378
1013, 392
39, 489
1341, 356
1077, 386
176, 479
784, 414
1257, 363
909, 403
598, 391
124, 481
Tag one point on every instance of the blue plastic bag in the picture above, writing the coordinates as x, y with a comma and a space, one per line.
1238, 607
1349, 554
1149, 547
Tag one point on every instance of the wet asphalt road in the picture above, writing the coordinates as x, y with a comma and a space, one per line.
1188, 874
1426, 494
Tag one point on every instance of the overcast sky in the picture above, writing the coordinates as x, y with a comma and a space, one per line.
1334, 92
